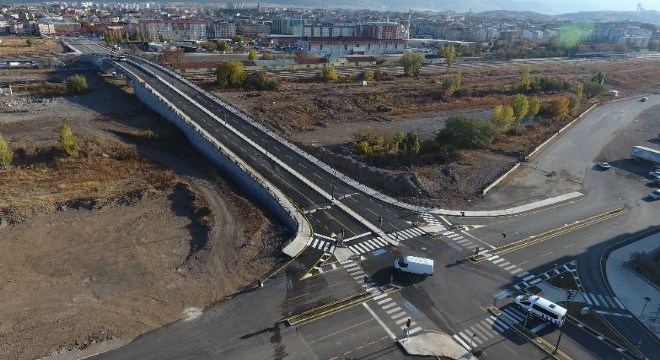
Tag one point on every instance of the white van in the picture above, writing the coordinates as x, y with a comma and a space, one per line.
542, 308
414, 265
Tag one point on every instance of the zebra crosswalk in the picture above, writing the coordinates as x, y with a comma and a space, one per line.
432, 220
529, 280
602, 301
365, 244
488, 328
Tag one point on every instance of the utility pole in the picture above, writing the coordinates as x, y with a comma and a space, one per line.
561, 332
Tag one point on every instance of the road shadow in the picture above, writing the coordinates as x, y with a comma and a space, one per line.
389, 275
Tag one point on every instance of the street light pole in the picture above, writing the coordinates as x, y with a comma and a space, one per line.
561, 332
333, 188
644, 307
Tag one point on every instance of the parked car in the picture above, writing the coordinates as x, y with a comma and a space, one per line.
654, 174
655, 194
604, 165
644, 99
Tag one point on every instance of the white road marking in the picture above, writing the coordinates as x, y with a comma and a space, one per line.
380, 322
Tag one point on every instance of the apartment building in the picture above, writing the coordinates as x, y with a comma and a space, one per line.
175, 29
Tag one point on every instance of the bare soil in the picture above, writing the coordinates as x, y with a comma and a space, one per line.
12, 46
110, 244
324, 119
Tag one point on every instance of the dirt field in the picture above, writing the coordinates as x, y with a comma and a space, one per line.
13, 46
110, 244
328, 116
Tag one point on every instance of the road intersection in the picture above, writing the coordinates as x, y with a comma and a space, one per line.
358, 307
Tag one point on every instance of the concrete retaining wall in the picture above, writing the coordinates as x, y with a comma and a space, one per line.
258, 187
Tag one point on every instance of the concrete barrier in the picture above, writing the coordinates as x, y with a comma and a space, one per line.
242, 173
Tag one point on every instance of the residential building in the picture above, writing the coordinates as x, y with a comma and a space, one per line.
348, 46
224, 30
46, 29
174, 29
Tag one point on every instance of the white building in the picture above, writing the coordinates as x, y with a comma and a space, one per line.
175, 29
224, 30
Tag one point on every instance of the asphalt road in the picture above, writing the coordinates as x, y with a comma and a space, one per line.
456, 298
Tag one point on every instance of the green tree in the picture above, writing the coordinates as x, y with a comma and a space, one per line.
534, 107
76, 84
448, 51
330, 74
503, 117
592, 89
520, 106
30, 42
396, 141
525, 80
6, 155
222, 45
267, 56
229, 74
598, 78
252, 54
579, 90
237, 39
412, 144
412, 63
68, 140
458, 77
467, 132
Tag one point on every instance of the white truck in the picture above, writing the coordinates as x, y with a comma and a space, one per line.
414, 265
642, 152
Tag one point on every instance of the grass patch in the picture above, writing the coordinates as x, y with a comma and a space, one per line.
647, 265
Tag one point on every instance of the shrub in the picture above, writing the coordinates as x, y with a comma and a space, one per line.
76, 84
260, 81
6, 155
330, 74
467, 132
68, 140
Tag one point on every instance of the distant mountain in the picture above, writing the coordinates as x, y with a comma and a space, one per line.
545, 7
650, 17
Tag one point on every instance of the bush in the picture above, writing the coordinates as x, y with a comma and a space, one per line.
259, 81
548, 84
330, 74
76, 84
68, 140
6, 155
592, 89
467, 132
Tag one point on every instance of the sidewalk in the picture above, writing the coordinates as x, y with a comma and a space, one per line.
434, 343
630, 288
